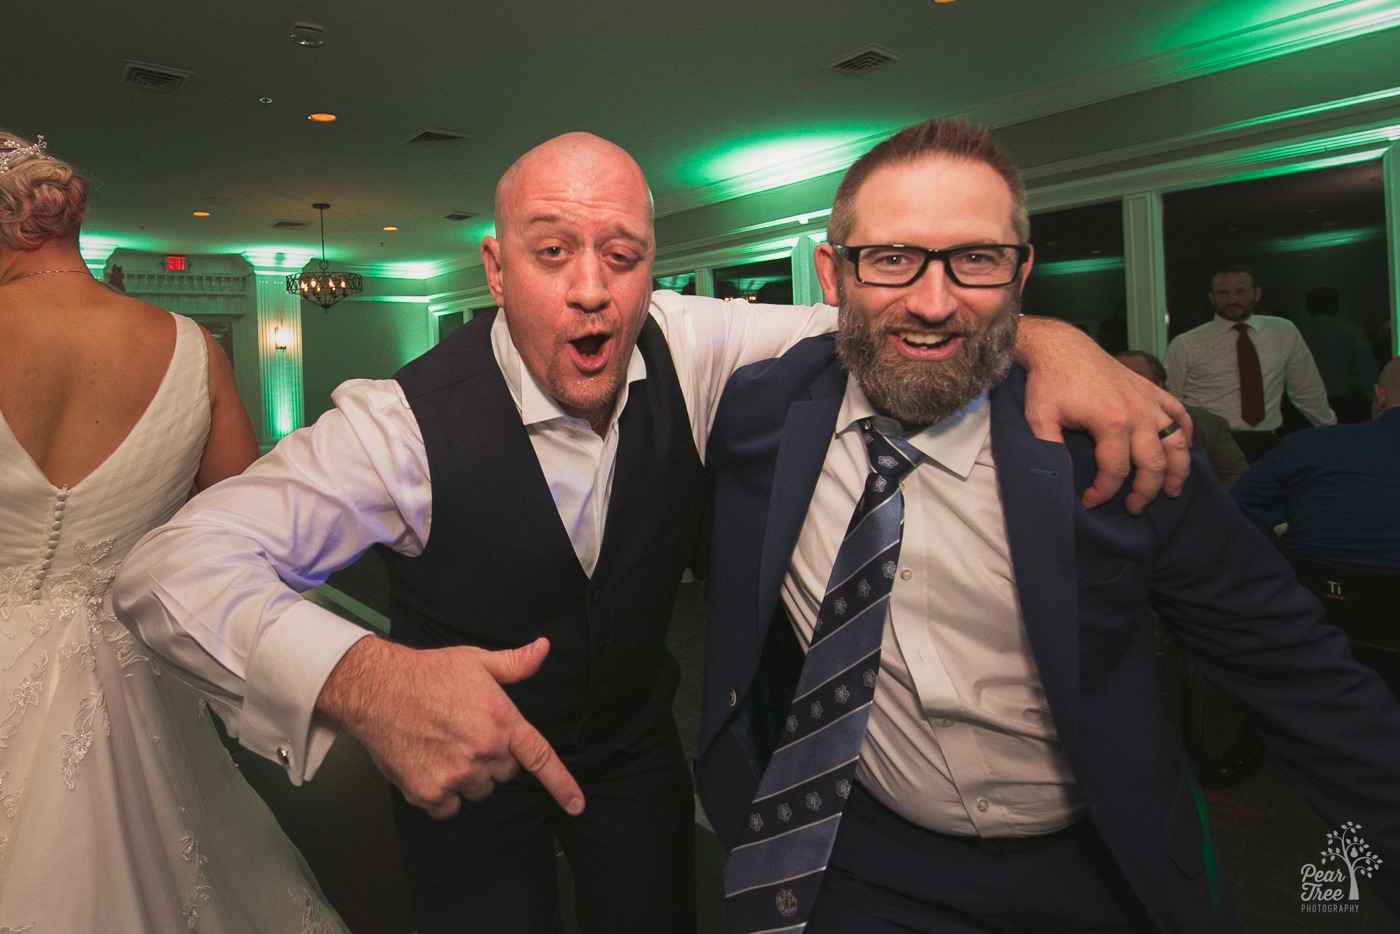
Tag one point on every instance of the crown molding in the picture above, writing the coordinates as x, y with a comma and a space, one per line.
1334, 22
1238, 164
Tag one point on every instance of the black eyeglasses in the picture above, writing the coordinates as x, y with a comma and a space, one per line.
984, 266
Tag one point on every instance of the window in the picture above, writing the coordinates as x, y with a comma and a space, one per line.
1078, 273
767, 281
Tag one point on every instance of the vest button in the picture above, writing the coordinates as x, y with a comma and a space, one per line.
733, 698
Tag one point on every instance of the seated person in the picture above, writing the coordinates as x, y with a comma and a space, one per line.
1336, 488
1212, 432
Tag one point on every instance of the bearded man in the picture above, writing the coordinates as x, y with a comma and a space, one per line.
956, 725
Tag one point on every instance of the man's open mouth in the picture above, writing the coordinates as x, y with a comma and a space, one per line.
917, 339
591, 351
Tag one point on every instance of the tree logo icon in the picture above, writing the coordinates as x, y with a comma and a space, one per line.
1350, 857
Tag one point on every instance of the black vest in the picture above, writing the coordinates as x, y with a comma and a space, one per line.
499, 570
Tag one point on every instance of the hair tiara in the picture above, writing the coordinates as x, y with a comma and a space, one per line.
10, 149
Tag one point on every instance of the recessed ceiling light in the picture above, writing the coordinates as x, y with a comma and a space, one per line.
390, 229
322, 118
201, 213
309, 35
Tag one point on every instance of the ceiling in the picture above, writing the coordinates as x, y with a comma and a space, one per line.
703, 95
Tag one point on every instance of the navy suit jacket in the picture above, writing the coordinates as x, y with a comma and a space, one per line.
1083, 579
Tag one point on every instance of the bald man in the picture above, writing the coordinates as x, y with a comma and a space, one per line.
535, 483
1337, 489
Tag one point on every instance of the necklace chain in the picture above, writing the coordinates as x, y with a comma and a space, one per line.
45, 272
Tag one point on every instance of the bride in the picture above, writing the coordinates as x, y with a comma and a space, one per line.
120, 811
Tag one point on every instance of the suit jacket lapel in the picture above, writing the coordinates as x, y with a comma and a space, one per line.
806, 434
1038, 499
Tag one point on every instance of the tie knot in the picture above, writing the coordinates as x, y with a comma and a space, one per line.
890, 456
1241, 327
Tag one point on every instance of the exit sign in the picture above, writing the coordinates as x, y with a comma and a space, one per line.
174, 264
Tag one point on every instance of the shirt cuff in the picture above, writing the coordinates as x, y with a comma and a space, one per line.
286, 672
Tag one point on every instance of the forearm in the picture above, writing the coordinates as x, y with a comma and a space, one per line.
247, 642
1039, 338
217, 590
1305, 388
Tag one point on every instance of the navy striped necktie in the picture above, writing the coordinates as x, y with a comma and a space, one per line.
774, 872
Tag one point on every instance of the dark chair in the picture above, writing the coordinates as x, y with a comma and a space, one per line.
1216, 730
1364, 603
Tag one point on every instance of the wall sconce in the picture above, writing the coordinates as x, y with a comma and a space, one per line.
280, 340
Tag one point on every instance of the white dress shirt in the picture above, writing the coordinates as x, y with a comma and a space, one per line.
1203, 369
216, 590
960, 738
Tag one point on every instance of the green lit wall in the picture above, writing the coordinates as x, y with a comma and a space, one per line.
357, 338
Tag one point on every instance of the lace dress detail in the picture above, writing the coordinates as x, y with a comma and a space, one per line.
120, 810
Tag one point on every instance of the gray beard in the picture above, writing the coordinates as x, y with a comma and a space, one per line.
920, 393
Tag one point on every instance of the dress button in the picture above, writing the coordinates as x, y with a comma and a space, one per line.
947, 721
284, 756
733, 697
49, 553
905, 574
56, 526
983, 804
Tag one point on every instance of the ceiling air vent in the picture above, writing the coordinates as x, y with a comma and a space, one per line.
459, 216
437, 139
290, 225
150, 77
863, 60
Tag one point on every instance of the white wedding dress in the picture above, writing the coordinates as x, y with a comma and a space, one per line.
120, 810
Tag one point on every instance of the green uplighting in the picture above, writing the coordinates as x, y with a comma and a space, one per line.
1312, 165
425, 269
276, 260
1297, 113
283, 423
1072, 267
96, 246
1278, 27
1325, 238
772, 161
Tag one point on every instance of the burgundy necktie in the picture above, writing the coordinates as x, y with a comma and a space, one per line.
1251, 378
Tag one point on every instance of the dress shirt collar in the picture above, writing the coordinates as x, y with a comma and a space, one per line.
533, 401
953, 443
1225, 324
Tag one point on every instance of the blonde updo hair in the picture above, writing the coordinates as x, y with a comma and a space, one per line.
41, 198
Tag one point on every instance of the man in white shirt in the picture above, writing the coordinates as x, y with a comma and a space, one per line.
536, 474
1203, 365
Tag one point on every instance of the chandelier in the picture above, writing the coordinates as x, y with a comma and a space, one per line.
322, 287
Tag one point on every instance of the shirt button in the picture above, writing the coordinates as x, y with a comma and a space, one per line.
905, 574
733, 698
983, 804
284, 756
947, 721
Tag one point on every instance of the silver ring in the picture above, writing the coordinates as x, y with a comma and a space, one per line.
1170, 430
